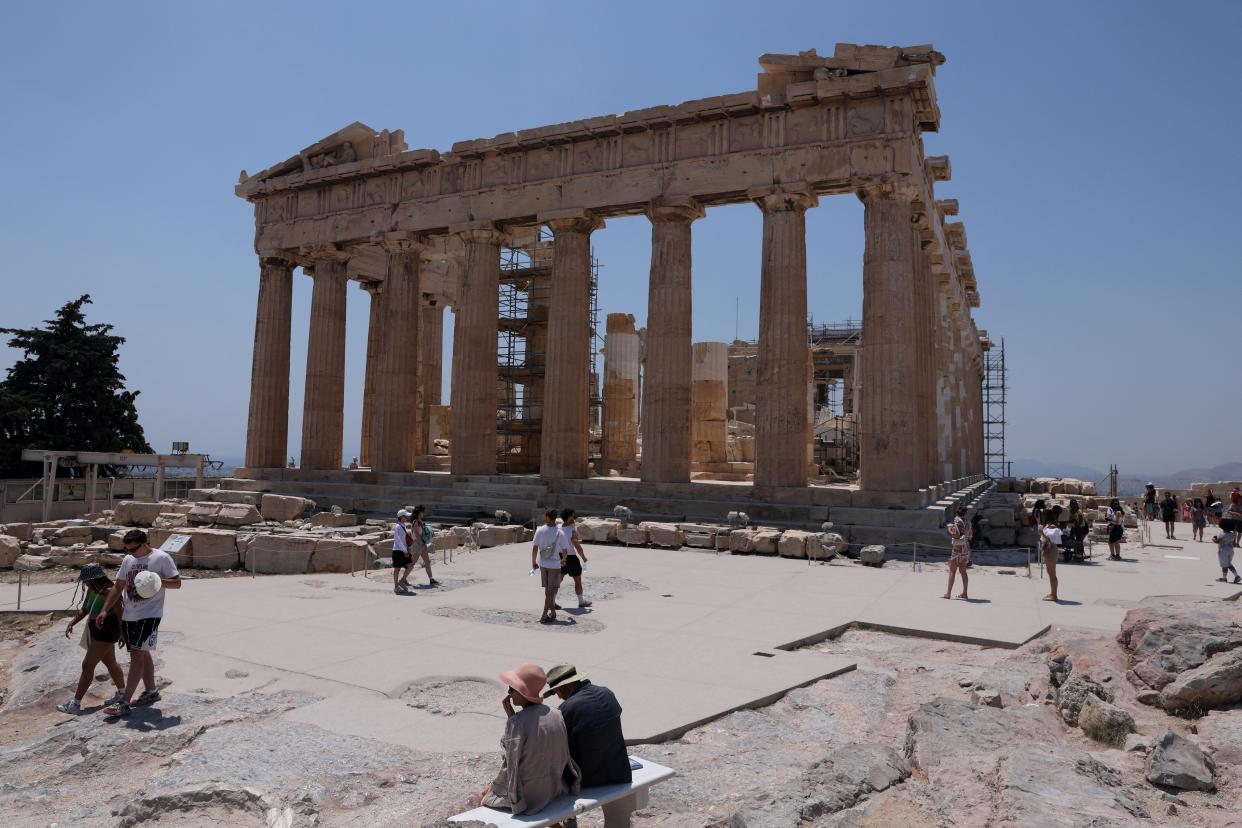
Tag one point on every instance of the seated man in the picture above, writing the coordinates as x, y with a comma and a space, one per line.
593, 718
536, 766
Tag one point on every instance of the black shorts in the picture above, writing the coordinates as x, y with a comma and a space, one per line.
572, 566
400, 559
141, 634
1115, 532
110, 633
1229, 525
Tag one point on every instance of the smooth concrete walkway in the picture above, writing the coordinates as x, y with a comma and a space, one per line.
697, 634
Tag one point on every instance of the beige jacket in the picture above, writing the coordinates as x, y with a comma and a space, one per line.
536, 766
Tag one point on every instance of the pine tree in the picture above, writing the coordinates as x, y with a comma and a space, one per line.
66, 393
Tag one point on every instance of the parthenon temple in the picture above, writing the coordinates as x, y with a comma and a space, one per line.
423, 230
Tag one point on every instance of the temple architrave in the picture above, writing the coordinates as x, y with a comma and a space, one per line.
421, 231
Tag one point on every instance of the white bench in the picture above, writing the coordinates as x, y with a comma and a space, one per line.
567, 806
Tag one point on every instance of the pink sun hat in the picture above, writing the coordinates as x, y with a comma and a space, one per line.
528, 679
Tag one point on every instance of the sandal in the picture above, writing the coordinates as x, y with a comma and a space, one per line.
118, 709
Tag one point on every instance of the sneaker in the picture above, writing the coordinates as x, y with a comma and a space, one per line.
433, 582
119, 695
1237, 580
557, 606
583, 604
118, 709
1223, 580
72, 707
148, 697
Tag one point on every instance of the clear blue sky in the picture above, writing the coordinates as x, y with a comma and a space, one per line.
1094, 148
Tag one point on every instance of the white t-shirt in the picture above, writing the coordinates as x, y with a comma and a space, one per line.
136, 608
398, 538
548, 543
1053, 534
566, 540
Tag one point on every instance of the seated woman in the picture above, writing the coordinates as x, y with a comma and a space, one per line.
536, 766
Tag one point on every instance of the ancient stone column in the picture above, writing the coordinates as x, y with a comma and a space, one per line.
709, 392
666, 386
430, 367
889, 443
567, 377
375, 329
925, 329
267, 432
323, 408
781, 422
473, 391
619, 446
396, 414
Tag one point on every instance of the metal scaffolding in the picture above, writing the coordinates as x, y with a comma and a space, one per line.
524, 285
994, 378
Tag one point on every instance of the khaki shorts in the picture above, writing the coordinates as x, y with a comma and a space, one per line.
550, 578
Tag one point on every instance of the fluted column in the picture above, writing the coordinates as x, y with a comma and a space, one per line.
666, 387
925, 411
889, 447
473, 392
619, 444
323, 406
781, 422
396, 414
267, 431
567, 376
709, 378
430, 367
375, 328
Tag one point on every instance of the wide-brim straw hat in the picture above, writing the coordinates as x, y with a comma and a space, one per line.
562, 674
528, 679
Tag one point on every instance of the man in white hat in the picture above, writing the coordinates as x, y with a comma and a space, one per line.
141, 615
402, 562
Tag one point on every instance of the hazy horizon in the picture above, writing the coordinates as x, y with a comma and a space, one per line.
1091, 147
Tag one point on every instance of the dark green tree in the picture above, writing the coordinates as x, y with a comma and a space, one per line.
66, 392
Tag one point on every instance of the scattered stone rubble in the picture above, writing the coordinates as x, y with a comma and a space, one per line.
1005, 513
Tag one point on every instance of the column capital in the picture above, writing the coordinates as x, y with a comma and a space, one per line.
373, 288
277, 258
674, 208
571, 221
311, 254
482, 232
885, 187
780, 198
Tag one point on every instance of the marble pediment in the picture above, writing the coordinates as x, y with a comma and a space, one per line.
349, 145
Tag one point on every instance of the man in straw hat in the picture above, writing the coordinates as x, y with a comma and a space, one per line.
536, 766
593, 721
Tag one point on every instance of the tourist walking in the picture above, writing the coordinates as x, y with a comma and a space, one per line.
1168, 514
1149, 500
546, 556
100, 641
1116, 528
1198, 519
575, 555
592, 717
1051, 542
959, 552
420, 544
140, 586
402, 563
1224, 556
535, 766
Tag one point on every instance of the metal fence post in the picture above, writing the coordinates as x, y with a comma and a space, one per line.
19, 590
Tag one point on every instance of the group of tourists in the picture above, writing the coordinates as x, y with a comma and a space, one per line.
123, 613
549, 752
556, 552
411, 544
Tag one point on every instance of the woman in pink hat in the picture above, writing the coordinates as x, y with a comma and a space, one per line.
536, 767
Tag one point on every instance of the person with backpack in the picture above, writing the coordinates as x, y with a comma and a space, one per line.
402, 563
1116, 529
420, 545
100, 642
959, 556
547, 556
1079, 528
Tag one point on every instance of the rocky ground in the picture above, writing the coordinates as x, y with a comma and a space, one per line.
1069, 730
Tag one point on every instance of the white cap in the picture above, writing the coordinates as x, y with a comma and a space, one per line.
403, 513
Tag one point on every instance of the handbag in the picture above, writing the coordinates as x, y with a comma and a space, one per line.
85, 641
